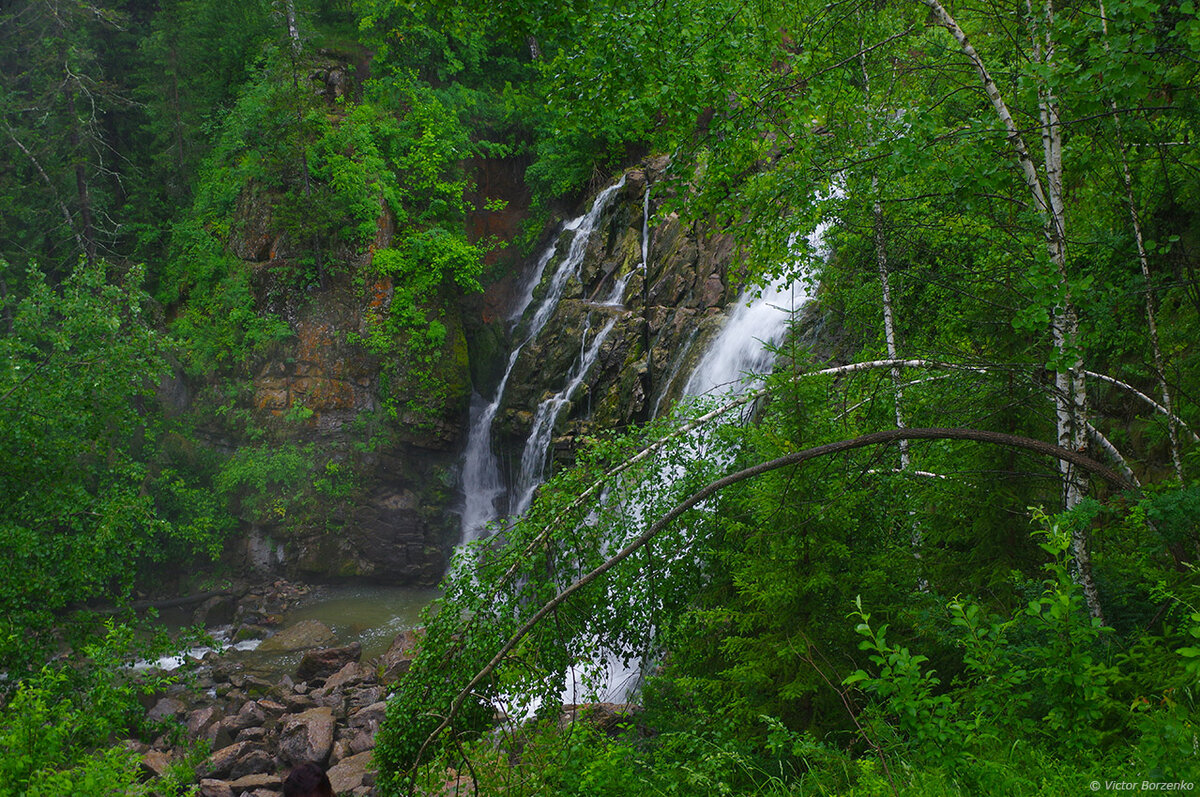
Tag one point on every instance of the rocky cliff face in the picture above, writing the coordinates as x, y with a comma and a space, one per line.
387, 513
371, 502
665, 315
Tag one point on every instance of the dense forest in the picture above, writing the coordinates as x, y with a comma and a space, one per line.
948, 545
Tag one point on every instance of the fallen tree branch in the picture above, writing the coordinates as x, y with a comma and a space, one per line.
1157, 407
740, 401
795, 458
1113, 453
167, 603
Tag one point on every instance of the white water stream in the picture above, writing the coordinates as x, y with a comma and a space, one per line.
537, 446
734, 361
482, 482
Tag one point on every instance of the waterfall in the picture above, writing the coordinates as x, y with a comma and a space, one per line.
537, 445
731, 364
745, 346
482, 482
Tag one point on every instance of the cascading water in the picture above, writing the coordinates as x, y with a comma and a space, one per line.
746, 343
482, 482
745, 346
537, 445
731, 364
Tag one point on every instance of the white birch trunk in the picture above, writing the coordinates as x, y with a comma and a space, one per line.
1144, 263
1070, 388
293, 28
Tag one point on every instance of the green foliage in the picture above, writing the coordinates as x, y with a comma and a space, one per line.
1041, 679
282, 484
57, 727
84, 506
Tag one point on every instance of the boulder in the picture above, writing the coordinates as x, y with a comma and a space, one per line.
399, 656
250, 716
166, 709
369, 718
301, 636
298, 703
362, 742
200, 720
262, 780
217, 610
366, 696
258, 734
210, 787
349, 773
220, 763
273, 708
307, 736
351, 674
254, 762
326, 662
218, 735
155, 763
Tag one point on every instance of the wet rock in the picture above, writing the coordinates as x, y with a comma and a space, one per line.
258, 686
712, 293
326, 662
307, 736
349, 675
210, 787
166, 709
301, 636
349, 773
217, 610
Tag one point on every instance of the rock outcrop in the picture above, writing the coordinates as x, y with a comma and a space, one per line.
667, 312
380, 505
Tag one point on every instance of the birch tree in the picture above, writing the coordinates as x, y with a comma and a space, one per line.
1046, 192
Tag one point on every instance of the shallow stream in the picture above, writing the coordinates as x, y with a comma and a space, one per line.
369, 615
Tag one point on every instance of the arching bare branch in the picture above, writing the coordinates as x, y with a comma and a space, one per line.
794, 458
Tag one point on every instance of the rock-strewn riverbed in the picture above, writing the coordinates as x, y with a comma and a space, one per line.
306, 693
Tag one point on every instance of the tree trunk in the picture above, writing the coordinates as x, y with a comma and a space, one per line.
1070, 397
1144, 264
83, 196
